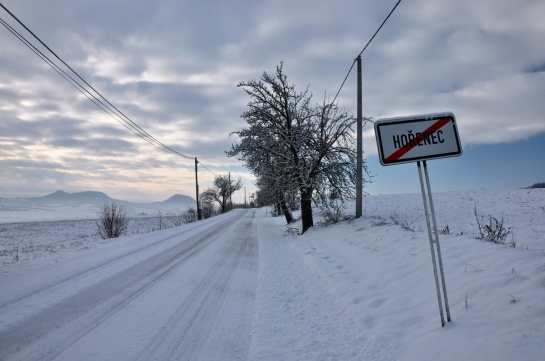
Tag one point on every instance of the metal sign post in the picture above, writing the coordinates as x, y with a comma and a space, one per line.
434, 242
415, 139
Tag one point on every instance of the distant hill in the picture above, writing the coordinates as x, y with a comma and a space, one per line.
97, 199
537, 185
176, 203
62, 196
179, 198
92, 194
61, 205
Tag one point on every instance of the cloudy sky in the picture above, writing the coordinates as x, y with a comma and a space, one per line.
172, 66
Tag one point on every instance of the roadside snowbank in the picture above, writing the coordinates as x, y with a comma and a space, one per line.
382, 275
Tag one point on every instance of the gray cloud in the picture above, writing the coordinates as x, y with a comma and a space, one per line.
537, 68
173, 66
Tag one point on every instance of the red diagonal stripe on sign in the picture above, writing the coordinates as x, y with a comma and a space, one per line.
404, 150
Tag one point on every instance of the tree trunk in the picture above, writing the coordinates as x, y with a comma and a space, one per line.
277, 208
286, 210
306, 210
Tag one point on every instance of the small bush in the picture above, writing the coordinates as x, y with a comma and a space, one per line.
494, 231
14, 252
378, 221
404, 223
395, 218
189, 215
332, 212
176, 219
332, 208
160, 220
112, 221
208, 210
445, 230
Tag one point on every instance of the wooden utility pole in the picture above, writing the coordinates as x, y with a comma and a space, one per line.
229, 188
199, 211
359, 150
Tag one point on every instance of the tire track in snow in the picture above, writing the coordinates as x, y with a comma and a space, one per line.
186, 335
48, 334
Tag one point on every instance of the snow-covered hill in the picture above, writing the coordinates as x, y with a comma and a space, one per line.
62, 205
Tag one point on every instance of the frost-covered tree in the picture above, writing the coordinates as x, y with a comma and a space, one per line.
296, 142
223, 189
208, 208
272, 192
273, 178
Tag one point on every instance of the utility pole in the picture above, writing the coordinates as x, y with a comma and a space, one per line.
199, 211
245, 197
229, 188
359, 150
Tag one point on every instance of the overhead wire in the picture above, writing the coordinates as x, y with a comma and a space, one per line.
105, 104
68, 78
364, 48
114, 112
202, 165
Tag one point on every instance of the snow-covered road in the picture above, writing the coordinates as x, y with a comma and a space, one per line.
177, 296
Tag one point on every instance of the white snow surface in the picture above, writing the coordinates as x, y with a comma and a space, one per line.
360, 289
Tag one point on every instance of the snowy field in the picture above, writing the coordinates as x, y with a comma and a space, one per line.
23, 241
360, 289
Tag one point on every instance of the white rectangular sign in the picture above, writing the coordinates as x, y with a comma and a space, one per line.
417, 137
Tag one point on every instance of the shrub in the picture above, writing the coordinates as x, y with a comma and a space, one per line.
112, 220
332, 208
494, 231
332, 211
404, 223
160, 219
189, 215
445, 230
14, 252
176, 219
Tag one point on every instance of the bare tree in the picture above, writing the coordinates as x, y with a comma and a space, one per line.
189, 215
183, 217
177, 219
207, 201
160, 219
112, 220
223, 189
273, 192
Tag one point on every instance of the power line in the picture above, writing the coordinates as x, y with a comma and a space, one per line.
68, 78
206, 168
365, 47
95, 96
380, 27
105, 105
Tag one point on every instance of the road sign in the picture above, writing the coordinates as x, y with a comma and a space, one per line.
417, 137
